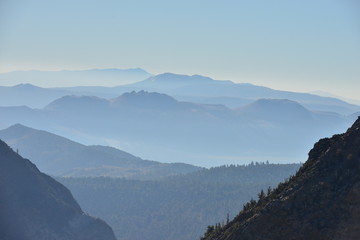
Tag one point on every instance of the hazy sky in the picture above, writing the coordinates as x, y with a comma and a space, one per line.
293, 45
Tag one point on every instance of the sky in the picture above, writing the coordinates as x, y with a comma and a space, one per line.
291, 45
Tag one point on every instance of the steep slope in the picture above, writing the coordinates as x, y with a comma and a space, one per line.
62, 157
322, 201
34, 206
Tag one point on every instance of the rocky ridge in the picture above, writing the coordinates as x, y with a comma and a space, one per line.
322, 201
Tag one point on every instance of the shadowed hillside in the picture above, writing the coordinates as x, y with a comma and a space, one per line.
34, 206
320, 202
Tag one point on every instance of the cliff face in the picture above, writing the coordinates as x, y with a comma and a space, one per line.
33, 206
322, 201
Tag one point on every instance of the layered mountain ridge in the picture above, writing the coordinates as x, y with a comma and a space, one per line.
59, 156
185, 131
195, 88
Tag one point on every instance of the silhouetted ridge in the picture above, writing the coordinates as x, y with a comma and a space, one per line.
322, 201
34, 206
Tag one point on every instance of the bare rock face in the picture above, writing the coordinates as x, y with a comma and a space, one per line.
322, 201
33, 206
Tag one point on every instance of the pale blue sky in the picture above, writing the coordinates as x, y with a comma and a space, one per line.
292, 45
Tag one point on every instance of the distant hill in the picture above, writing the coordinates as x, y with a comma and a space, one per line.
200, 89
66, 78
177, 207
195, 88
274, 109
29, 95
169, 81
157, 126
62, 157
320, 202
145, 100
204, 88
34, 206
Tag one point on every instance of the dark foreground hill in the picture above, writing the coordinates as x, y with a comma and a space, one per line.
34, 206
322, 201
178, 207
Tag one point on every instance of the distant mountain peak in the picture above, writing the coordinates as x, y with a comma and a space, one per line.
145, 94
18, 126
279, 102
171, 81
180, 77
276, 110
144, 98
73, 101
275, 104
26, 86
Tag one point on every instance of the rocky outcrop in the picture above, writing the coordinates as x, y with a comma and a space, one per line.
33, 206
322, 201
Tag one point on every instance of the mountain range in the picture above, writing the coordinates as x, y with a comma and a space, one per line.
174, 118
239, 123
91, 77
157, 126
59, 156
202, 89
34, 206
194, 88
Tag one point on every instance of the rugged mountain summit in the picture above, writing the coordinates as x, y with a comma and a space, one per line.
34, 206
322, 201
